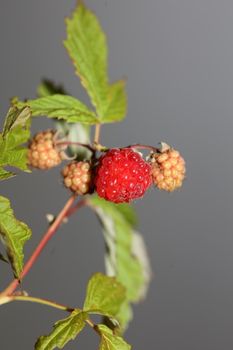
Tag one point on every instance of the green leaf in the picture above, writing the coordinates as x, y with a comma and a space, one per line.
16, 117
124, 316
105, 295
87, 47
116, 106
48, 88
73, 132
61, 107
15, 133
123, 258
139, 250
11, 151
128, 213
13, 234
4, 174
63, 331
109, 341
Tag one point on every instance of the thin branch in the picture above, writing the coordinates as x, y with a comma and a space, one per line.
11, 298
93, 326
47, 236
97, 133
76, 207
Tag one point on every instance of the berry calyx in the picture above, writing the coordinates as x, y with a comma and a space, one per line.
78, 177
122, 175
42, 151
168, 169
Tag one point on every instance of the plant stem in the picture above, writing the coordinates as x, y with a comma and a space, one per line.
76, 207
97, 133
90, 323
47, 236
93, 326
36, 300
8, 299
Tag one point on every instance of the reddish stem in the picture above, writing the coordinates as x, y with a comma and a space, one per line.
76, 207
47, 236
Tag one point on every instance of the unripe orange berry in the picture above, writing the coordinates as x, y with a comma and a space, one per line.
42, 151
78, 177
168, 169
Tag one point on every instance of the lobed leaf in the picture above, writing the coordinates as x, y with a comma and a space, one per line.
63, 331
104, 295
110, 341
16, 117
15, 133
71, 131
116, 105
61, 107
87, 47
14, 235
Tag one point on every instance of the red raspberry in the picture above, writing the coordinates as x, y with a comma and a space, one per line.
168, 170
122, 175
77, 177
42, 152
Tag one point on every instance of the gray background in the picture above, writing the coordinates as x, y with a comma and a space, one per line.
178, 58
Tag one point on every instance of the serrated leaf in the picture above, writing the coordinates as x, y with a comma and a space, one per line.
63, 331
121, 258
116, 105
16, 117
48, 88
104, 295
15, 133
61, 107
110, 341
14, 234
73, 132
87, 47
11, 152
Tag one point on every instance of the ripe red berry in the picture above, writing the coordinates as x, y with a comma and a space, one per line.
42, 152
77, 177
122, 175
168, 170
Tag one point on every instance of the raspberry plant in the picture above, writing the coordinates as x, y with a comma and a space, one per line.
102, 179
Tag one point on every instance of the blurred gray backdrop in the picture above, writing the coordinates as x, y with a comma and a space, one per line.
178, 58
